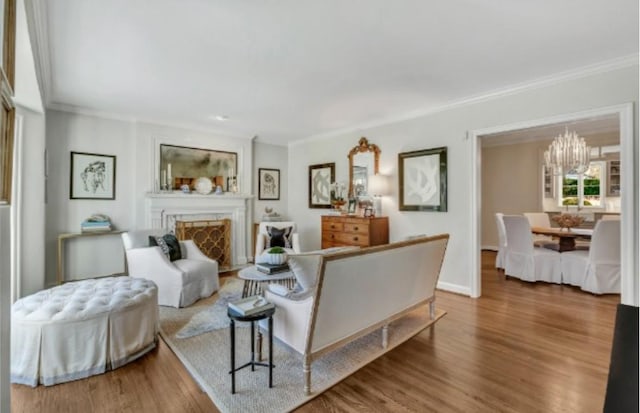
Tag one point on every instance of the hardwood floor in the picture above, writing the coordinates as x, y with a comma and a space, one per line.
521, 347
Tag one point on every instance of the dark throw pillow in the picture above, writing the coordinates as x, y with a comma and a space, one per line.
279, 237
169, 245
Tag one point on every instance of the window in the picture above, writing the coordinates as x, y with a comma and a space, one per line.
586, 190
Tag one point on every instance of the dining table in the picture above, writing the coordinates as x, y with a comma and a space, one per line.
566, 237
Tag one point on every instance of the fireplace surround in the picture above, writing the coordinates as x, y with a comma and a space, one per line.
163, 210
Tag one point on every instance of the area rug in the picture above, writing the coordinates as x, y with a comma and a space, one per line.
206, 357
214, 316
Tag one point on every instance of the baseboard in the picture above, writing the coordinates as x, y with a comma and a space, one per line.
489, 248
454, 288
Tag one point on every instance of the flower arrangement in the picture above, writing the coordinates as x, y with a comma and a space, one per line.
338, 191
338, 194
568, 220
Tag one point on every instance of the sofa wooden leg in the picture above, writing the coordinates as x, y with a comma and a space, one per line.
306, 369
432, 309
385, 336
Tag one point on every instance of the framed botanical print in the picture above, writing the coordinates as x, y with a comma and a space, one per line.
93, 176
423, 180
320, 178
268, 184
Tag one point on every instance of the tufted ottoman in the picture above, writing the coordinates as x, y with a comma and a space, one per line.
82, 328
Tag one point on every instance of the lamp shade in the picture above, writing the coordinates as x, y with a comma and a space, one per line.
378, 185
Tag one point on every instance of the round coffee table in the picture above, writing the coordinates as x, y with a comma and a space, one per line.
255, 280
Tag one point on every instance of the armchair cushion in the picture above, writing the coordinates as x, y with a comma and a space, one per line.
279, 237
305, 269
169, 245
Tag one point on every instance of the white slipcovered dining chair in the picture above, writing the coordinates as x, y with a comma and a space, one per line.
181, 282
262, 237
596, 270
502, 241
523, 260
541, 219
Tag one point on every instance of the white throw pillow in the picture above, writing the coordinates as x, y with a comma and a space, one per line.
305, 268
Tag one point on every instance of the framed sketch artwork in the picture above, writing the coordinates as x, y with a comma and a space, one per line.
320, 178
93, 176
423, 180
268, 184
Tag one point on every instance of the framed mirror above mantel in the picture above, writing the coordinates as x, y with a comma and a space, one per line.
364, 159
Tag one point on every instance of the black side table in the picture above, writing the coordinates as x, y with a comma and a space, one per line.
235, 316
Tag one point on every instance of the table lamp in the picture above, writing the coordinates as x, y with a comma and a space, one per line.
378, 187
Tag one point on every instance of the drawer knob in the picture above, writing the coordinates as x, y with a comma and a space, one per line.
332, 226
355, 228
355, 238
332, 236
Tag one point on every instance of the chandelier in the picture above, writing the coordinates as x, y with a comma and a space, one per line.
567, 153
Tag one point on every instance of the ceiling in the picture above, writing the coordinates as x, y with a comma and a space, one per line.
285, 70
606, 126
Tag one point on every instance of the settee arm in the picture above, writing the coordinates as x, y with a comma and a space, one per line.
260, 242
295, 242
191, 251
291, 320
151, 263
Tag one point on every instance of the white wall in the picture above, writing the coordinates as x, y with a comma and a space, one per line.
270, 157
31, 202
68, 132
448, 128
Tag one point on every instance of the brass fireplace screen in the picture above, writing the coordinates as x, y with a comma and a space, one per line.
212, 237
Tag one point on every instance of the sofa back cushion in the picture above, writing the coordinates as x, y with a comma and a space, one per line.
359, 289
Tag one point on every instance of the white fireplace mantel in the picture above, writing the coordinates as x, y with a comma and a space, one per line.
164, 208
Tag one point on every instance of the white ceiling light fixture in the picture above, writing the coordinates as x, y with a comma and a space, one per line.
567, 153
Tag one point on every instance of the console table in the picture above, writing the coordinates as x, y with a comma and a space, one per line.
61, 242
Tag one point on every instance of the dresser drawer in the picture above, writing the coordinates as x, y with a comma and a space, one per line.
359, 228
352, 239
332, 226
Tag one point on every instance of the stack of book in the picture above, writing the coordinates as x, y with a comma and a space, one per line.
272, 268
250, 305
95, 226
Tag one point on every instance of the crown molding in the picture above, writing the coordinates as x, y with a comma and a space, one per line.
38, 26
585, 71
78, 110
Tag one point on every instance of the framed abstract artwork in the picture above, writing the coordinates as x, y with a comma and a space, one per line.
93, 176
320, 178
423, 180
268, 184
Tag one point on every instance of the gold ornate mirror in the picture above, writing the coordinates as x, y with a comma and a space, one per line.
363, 161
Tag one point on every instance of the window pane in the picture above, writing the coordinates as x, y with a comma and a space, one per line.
591, 185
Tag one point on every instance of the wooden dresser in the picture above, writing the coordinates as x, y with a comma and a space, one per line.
338, 231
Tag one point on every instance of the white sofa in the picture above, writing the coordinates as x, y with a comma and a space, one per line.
356, 292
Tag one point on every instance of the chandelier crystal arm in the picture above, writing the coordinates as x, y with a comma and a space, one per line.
567, 153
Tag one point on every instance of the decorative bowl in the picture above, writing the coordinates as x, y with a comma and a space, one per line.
568, 220
275, 259
203, 185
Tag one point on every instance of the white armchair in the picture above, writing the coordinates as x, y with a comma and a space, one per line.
262, 237
181, 282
